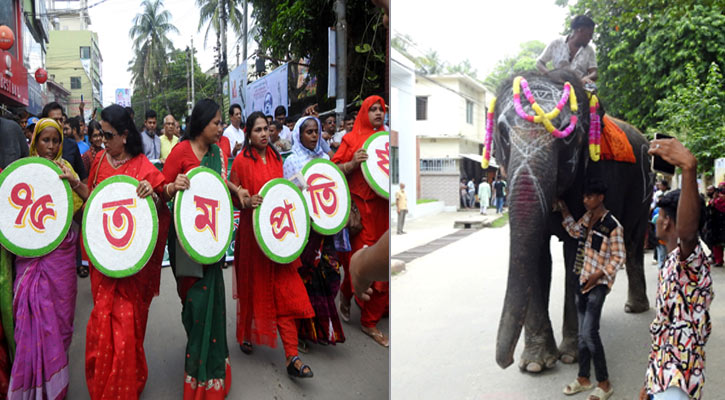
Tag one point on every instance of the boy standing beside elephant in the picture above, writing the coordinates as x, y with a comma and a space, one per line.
600, 253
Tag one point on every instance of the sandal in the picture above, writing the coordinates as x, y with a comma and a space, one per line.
246, 347
298, 373
302, 346
600, 394
344, 311
377, 336
576, 387
82, 271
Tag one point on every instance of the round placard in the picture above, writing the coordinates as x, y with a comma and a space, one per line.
37, 207
204, 216
120, 229
281, 222
327, 196
376, 169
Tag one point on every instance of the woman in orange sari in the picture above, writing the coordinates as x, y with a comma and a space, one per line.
115, 358
374, 213
270, 295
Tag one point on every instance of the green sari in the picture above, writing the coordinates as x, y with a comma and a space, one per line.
207, 371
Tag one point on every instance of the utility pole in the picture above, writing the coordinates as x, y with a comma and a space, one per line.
341, 58
244, 32
192, 71
188, 76
237, 54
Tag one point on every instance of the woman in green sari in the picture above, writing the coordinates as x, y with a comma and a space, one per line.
207, 371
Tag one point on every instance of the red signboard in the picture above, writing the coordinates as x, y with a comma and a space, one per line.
13, 75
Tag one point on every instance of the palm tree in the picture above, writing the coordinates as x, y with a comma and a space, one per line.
150, 44
210, 13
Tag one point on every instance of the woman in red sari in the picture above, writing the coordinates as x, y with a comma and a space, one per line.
115, 358
270, 295
374, 213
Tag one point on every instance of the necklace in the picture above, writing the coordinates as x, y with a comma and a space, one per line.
115, 163
595, 124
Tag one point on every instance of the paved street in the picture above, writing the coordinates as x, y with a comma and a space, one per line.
446, 306
358, 368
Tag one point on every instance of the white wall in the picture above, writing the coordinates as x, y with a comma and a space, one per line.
402, 100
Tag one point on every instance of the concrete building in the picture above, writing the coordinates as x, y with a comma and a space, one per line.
450, 122
74, 58
403, 140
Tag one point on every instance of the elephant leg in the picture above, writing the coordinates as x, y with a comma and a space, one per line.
540, 349
568, 349
637, 301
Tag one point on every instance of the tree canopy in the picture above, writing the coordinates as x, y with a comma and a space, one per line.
525, 60
293, 30
150, 44
643, 48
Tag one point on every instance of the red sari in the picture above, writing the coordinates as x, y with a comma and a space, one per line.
115, 357
270, 295
374, 212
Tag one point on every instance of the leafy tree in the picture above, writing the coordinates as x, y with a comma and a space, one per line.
292, 30
150, 44
464, 67
642, 46
210, 14
694, 113
172, 97
524, 61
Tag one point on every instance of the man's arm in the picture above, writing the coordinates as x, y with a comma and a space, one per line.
617, 251
572, 227
688, 208
544, 58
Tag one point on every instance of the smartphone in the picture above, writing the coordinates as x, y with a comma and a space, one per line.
660, 165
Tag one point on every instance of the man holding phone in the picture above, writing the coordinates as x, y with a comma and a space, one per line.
681, 325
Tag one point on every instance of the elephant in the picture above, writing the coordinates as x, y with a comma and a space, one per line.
539, 169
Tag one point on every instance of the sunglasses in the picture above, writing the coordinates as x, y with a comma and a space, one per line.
108, 135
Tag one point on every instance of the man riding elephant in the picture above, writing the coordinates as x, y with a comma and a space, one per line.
573, 52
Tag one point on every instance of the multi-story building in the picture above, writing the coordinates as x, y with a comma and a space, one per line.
450, 122
74, 58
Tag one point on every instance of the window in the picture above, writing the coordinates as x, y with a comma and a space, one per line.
469, 112
394, 165
438, 165
85, 52
421, 108
75, 82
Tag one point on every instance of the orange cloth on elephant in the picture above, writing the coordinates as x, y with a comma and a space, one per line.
265, 291
374, 210
615, 145
115, 357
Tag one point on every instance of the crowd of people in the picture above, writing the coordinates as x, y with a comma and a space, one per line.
295, 301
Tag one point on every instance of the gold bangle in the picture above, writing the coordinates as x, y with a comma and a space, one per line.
74, 187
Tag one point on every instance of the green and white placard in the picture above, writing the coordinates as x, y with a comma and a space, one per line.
327, 196
204, 216
36, 207
120, 229
376, 169
282, 221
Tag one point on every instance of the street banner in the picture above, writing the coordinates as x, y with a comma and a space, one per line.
281, 222
376, 169
36, 207
123, 97
203, 216
268, 92
327, 196
120, 229
719, 171
238, 87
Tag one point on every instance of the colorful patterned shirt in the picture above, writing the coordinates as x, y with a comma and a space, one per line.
600, 251
682, 325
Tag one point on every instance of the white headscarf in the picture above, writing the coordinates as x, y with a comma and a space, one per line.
300, 154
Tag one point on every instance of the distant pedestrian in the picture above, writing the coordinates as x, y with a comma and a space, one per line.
463, 190
716, 224
280, 114
401, 203
500, 187
471, 193
484, 194
234, 131
151, 141
168, 138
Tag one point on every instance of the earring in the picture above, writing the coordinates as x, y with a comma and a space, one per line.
124, 141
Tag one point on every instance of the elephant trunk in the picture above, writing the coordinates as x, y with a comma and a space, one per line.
528, 213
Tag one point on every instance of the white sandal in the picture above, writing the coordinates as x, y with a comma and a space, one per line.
576, 387
600, 394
